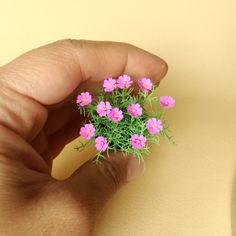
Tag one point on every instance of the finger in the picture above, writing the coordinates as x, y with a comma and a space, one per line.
58, 140
14, 151
50, 73
96, 184
55, 135
61, 118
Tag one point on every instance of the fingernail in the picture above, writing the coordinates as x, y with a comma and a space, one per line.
135, 169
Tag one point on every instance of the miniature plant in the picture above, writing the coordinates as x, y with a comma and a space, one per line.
118, 120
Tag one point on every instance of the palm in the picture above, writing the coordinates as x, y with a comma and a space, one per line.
42, 204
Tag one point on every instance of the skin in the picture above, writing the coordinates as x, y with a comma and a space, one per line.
38, 118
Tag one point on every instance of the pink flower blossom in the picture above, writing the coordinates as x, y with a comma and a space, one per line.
101, 143
103, 108
167, 101
84, 99
138, 141
87, 131
124, 81
109, 84
115, 114
145, 84
135, 110
154, 126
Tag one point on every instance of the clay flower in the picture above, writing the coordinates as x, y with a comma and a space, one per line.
101, 143
154, 126
118, 120
145, 84
109, 84
138, 141
135, 110
87, 131
124, 81
103, 108
167, 101
84, 99
115, 114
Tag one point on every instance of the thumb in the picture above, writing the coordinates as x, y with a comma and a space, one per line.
95, 184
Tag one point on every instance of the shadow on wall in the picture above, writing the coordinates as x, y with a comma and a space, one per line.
233, 207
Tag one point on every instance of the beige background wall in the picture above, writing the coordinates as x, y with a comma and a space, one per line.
189, 189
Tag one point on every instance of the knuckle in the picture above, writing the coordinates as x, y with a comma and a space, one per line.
26, 119
127, 45
72, 43
66, 42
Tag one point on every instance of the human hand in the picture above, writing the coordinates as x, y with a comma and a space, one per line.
38, 117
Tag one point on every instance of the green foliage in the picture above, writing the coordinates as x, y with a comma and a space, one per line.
119, 133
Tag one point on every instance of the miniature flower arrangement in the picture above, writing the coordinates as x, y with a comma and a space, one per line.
118, 119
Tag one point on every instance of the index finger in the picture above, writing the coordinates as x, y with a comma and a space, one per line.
50, 73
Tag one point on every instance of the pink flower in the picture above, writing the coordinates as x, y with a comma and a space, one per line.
145, 84
124, 81
135, 110
138, 141
101, 143
103, 108
167, 101
154, 126
115, 114
84, 99
87, 131
109, 84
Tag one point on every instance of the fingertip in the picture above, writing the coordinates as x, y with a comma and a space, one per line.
159, 69
164, 68
141, 63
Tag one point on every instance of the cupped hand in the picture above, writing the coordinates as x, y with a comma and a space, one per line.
38, 117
